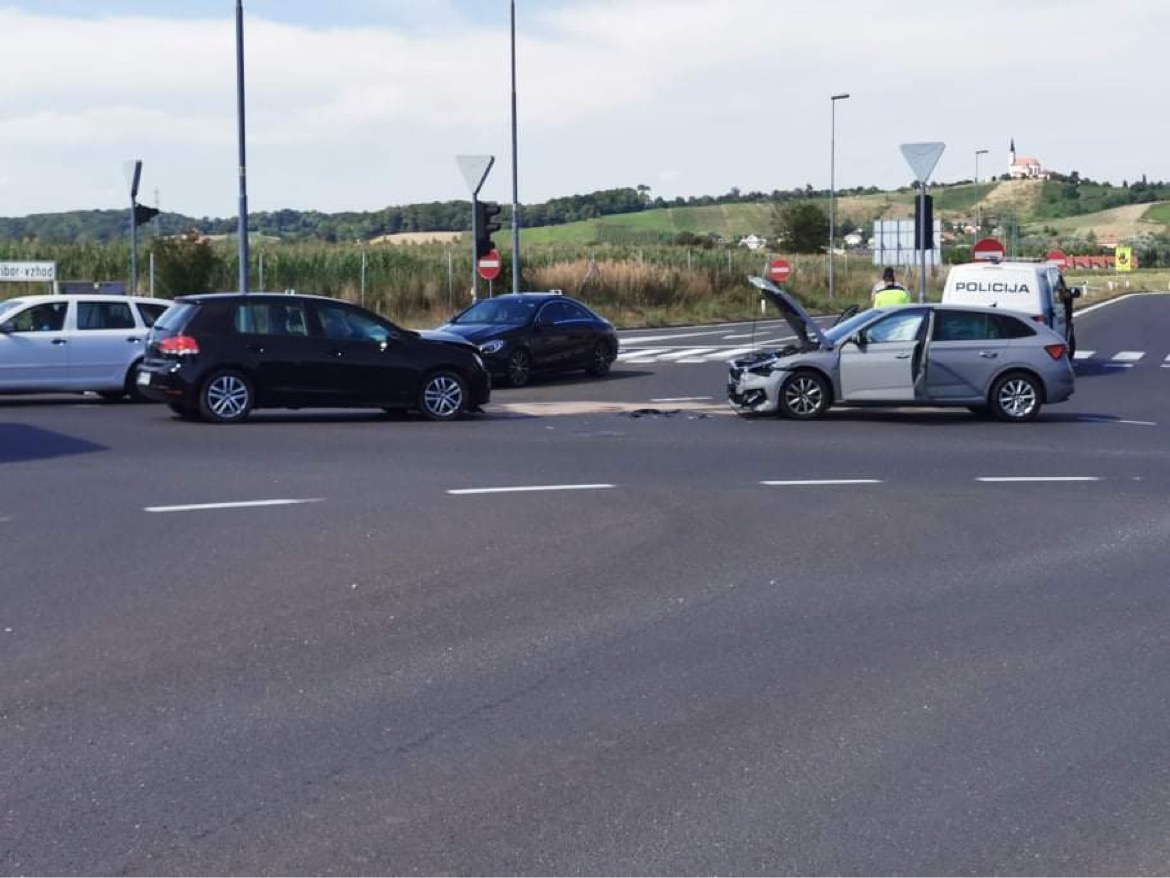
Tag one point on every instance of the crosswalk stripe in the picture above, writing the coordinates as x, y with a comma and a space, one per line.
1084, 355
641, 352
689, 352
1128, 356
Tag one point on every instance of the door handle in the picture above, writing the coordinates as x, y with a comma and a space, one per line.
902, 356
60, 341
133, 339
988, 355
256, 348
336, 353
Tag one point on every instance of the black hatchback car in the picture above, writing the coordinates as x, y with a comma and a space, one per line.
522, 333
218, 356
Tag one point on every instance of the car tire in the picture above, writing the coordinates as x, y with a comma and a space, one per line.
442, 396
519, 367
804, 396
131, 384
226, 397
979, 411
1016, 397
600, 360
111, 395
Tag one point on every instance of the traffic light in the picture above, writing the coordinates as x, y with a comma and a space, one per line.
484, 227
144, 214
919, 210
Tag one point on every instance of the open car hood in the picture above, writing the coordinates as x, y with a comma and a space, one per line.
806, 330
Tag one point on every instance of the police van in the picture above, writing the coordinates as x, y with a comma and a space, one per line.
1036, 289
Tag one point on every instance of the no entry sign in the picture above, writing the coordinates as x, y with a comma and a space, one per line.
779, 270
489, 265
988, 249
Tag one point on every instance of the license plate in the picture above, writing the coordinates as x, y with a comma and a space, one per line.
143, 379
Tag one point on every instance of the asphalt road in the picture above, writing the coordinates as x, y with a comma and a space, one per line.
881, 643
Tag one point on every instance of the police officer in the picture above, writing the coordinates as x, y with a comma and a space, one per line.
889, 292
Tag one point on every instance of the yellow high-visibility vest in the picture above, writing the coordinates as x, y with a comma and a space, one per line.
894, 295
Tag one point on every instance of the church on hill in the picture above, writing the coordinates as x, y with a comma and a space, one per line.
1024, 167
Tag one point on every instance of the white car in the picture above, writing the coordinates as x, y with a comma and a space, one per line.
75, 343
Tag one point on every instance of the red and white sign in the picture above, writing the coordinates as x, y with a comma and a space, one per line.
1058, 258
779, 270
988, 249
489, 265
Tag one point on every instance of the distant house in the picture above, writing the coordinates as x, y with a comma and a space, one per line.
1024, 167
753, 242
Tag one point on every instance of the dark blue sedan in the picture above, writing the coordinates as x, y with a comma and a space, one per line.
525, 333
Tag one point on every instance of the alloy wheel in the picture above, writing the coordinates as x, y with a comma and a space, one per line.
1017, 398
227, 397
443, 397
804, 396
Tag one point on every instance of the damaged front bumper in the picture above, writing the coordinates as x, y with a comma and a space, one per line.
753, 387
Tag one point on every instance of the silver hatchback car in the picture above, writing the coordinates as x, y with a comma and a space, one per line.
985, 359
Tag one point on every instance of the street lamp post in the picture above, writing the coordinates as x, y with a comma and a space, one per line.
515, 163
833, 183
978, 222
243, 224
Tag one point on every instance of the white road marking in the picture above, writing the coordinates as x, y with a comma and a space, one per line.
1128, 356
644, 352
1084, 355
647, 339
523, 488
1089, 419
735, 352
245, 504
794, 483
1038, 479
686, 352
683, 399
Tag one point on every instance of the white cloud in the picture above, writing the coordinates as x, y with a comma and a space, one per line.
727, 94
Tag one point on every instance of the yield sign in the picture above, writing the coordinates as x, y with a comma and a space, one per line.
922, 157
475, 169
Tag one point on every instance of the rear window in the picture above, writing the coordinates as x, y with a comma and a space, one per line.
175, 317
1013, 327
150, 312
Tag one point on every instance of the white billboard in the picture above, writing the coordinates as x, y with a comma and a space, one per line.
28, 272
894, 244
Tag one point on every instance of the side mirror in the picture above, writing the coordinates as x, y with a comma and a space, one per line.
858, 339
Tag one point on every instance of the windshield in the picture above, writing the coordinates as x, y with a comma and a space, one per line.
9, 306
498, 311
844, 330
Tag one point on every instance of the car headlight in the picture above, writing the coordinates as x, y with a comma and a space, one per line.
492, 347
767, 367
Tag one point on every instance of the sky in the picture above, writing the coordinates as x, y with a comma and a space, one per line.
360, 104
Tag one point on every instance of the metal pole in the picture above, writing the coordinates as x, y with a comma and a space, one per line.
133, 250
450, 282
363, 278
833, 183
978, 220
474, 255
260, 260
152, 274
515, 165
922, 242
243, 224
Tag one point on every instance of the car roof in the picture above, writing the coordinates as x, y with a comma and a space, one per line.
531, 296
197, 298
44, 298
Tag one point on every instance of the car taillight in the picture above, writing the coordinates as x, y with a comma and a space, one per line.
179, 346
1056, 351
